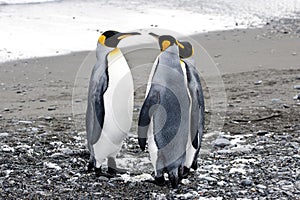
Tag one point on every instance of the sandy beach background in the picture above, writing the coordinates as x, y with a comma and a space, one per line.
255, 154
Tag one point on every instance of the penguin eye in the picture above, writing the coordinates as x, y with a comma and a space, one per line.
165, 44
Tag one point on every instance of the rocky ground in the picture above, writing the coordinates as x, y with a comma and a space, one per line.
255, 156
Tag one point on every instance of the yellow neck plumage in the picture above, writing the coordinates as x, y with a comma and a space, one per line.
114, 54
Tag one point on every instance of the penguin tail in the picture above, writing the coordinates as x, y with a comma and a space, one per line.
142, 143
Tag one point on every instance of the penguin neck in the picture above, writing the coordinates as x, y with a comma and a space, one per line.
170, 57
172, 49
103, 51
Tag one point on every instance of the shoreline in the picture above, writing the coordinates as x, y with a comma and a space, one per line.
32, 87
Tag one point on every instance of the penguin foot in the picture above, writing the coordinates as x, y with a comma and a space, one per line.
174, 180
186, 172
98, 173
194, 165
160, 181
90, 167
115, 171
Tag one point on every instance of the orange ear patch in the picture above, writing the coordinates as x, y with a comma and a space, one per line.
179, 44
165, 44
101, 40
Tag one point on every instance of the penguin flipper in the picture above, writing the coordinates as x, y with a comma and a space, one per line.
98, 105
201, 107
99, 100
146, 114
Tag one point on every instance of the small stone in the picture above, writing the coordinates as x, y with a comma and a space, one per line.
294, 54
258, 82
34, 129
51, 108
217, 55
4, 134
221, 142
297, 97
221, 183
285, 106
185, 181
52, 165
237, 170
0, 116
261, 191
78, 100
275, 100
288, 193
43, 100
48, 118
66, 151
25, 122
295, 145
297, 87
210, 179
136, 108
260, 186
298, 77
246, 182
289, 187
297, 185
6, 109
262, 132
225, 151
7, 148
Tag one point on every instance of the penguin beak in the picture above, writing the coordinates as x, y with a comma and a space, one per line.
154, 35
124, 35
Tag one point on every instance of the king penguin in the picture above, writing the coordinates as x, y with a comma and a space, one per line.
110, 103
197, 108
164, 116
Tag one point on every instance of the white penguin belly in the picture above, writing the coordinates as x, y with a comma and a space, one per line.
190, 150
151, 76
152, 148
118, 105
190, 153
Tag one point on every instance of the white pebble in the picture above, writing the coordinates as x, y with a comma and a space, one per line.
185, 181
237, 170
52, 165
25, 122
4, 134
7, 148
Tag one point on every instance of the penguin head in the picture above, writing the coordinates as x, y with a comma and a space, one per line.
165, 41
112, 38
186, 49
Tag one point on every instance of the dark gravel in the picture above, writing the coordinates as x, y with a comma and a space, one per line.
45, 157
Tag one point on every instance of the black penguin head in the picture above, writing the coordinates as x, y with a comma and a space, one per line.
112, 38
165, 41
186, 49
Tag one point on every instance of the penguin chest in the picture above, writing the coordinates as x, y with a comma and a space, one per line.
118, 98
190, 150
